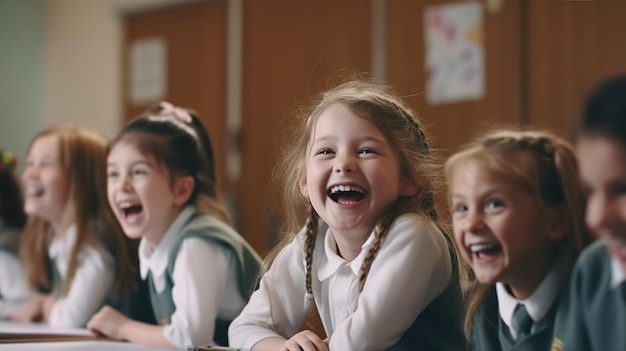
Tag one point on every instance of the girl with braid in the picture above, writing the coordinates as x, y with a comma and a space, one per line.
162, 187
372, 256
517, 213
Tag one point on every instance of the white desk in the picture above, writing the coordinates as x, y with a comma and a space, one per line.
90, 345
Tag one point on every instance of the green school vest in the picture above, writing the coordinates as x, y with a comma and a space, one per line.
214, 231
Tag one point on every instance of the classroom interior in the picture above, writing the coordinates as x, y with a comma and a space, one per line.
248, 66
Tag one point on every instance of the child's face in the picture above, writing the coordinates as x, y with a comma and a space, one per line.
499, 229
603, 170
352, 172
45, 183
140, 193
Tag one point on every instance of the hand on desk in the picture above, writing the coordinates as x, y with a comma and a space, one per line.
108, 322
305, 340
29, 311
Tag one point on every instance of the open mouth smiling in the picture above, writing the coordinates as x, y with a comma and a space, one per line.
480, 250
346, 194
130, 208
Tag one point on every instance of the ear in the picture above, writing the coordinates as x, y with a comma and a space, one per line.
408, 189
183, 188
560, 223
302, 182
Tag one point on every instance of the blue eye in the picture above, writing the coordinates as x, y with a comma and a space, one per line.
324, 152
459, 208
494, 204
113, 174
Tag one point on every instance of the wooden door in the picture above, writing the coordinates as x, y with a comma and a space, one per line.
195, 39
290, 50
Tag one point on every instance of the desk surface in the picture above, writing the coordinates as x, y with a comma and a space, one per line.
91, 345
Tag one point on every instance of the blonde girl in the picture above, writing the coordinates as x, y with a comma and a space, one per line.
372, 256
517, 212
75, 254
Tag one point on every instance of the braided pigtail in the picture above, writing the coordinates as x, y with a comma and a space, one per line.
309, 246
380, 233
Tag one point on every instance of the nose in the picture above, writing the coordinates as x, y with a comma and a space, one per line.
599, 213
345, 163
474, 222
31, 171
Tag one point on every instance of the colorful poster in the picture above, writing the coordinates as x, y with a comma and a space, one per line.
455, 59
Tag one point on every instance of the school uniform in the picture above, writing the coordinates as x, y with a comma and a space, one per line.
13, 286
92, 283
595, 318
493, 327
200, 276
411, 299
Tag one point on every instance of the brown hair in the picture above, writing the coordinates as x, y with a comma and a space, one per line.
82, 155
183, 148
403, 132
11, 201
545, 166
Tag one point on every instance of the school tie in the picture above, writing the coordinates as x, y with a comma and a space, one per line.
522, 322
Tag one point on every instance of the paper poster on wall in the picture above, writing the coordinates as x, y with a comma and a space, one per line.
455, 64
148, 70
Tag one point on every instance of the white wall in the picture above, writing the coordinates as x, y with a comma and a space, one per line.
82, 79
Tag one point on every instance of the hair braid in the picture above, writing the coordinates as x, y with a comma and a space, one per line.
380, 233
309, 246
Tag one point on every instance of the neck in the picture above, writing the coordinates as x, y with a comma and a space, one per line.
349, 246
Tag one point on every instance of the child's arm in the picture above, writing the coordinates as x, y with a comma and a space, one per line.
203, 278
92, 282
412, 268
277, 309
29, 311
109, 322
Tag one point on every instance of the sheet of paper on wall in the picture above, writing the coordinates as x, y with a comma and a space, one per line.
455, 63
148, 71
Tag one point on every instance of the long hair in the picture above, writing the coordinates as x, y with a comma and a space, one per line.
11, 201
542, 164
82, 156
405, 134
184, 149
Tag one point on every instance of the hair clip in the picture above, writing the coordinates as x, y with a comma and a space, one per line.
8, 158
180, 113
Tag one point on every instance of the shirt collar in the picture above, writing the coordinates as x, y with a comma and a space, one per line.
333, 261
618, 276
61, 245
155, 259
538, 303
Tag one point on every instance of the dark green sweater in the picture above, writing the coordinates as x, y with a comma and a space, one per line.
595, 317
10, 240
489, 332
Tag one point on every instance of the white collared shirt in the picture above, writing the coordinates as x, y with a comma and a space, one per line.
13, 285
92, 282
205, 283
538, 304
412, 268
618, 276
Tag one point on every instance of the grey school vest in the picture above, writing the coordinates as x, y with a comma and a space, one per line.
213, 231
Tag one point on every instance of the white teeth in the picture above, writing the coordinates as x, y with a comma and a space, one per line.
482, 247
34, 190
338, 188
125, 204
